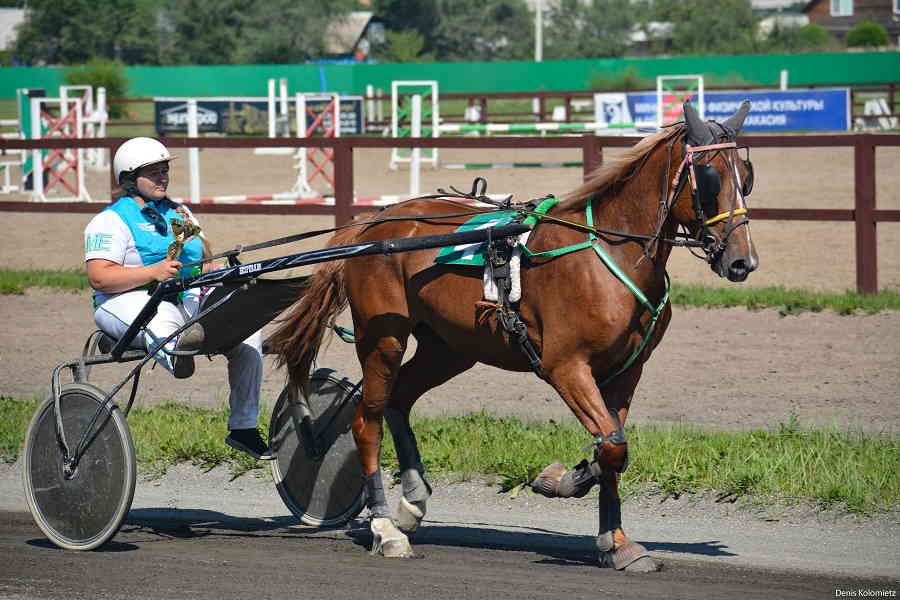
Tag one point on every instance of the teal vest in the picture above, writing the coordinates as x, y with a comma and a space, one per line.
152, 246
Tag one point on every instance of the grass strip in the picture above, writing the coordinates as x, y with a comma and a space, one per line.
852, 471
15, 282
788, 301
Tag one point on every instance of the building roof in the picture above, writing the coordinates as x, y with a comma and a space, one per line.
767, 5
343, 35
10, 18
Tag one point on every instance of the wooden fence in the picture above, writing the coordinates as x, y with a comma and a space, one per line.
864, 213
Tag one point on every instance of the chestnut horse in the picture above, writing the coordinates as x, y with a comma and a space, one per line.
586, 324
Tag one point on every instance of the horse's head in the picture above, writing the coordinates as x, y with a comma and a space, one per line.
710, 190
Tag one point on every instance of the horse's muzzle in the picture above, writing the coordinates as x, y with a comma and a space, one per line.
739, 269
735, 268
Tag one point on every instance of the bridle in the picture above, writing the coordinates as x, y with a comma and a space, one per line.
705, 187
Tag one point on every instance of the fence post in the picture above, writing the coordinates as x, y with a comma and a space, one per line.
864, 215
591, 154
343, 182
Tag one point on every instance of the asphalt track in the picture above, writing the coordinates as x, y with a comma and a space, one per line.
206, 535
249, 558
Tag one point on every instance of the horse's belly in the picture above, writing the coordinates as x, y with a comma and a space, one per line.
452, 306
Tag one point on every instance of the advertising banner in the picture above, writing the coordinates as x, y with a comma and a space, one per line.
800, 110
249, 116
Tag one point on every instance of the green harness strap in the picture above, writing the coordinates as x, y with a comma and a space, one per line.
592, 242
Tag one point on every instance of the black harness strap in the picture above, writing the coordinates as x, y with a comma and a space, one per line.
498, 255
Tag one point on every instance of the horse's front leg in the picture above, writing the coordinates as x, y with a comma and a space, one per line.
615, 549
381, 361
604, 417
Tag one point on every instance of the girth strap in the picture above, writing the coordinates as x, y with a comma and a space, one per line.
514, 326
498, 256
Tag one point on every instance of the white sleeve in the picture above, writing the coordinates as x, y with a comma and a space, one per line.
106, 237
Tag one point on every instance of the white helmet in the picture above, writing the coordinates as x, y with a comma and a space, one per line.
139, 152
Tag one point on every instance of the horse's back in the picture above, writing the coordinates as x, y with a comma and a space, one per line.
445, 298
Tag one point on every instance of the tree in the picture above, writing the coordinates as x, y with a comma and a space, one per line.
460, 30
807, 38
244, 31
200, 32
867, 33
404, 47
75, 31
287, 31
484, 30
595, 30
420, 16
705, 26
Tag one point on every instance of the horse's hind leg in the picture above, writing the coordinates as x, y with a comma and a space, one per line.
434, 363
380, 352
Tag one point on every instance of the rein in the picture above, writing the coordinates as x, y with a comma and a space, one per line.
531, 217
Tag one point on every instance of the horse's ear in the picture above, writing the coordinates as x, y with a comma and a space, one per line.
733, 124
698, 131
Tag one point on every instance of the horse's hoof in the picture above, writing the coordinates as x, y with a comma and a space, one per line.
388, 541
631, 557
547, 482
409, 514
644, 564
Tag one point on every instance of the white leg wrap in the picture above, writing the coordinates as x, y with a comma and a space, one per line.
388, 541
410, 514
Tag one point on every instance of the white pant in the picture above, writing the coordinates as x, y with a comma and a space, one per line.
245, 365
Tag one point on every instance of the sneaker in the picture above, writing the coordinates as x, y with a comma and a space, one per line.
182, 366
249, 441
190, 340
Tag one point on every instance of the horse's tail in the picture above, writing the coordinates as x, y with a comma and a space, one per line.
299, 335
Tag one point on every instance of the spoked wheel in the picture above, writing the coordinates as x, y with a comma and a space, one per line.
317, 469
84, 509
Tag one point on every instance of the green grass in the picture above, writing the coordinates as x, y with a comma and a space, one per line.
15, 282
850, 471
788, 301
14, 418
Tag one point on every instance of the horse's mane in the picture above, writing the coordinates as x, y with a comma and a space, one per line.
618, 169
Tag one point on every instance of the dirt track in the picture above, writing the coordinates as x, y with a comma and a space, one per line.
205, 535
213, 561
725, 368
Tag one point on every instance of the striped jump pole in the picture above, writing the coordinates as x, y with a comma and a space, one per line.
289, 198
535, 127
512, 165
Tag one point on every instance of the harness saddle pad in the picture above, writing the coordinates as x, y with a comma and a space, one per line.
473, 254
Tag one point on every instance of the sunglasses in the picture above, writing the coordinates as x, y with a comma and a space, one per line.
152, 215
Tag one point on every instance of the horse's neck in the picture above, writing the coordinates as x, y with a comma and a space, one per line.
632, 207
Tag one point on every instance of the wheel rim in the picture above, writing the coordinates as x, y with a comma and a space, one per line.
85, 510
322, 491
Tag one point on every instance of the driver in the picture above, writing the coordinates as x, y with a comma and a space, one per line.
125, 248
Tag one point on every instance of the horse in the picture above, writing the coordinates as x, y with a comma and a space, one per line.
591, 331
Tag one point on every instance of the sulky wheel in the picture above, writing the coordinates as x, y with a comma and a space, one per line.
317, 469
84, 509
